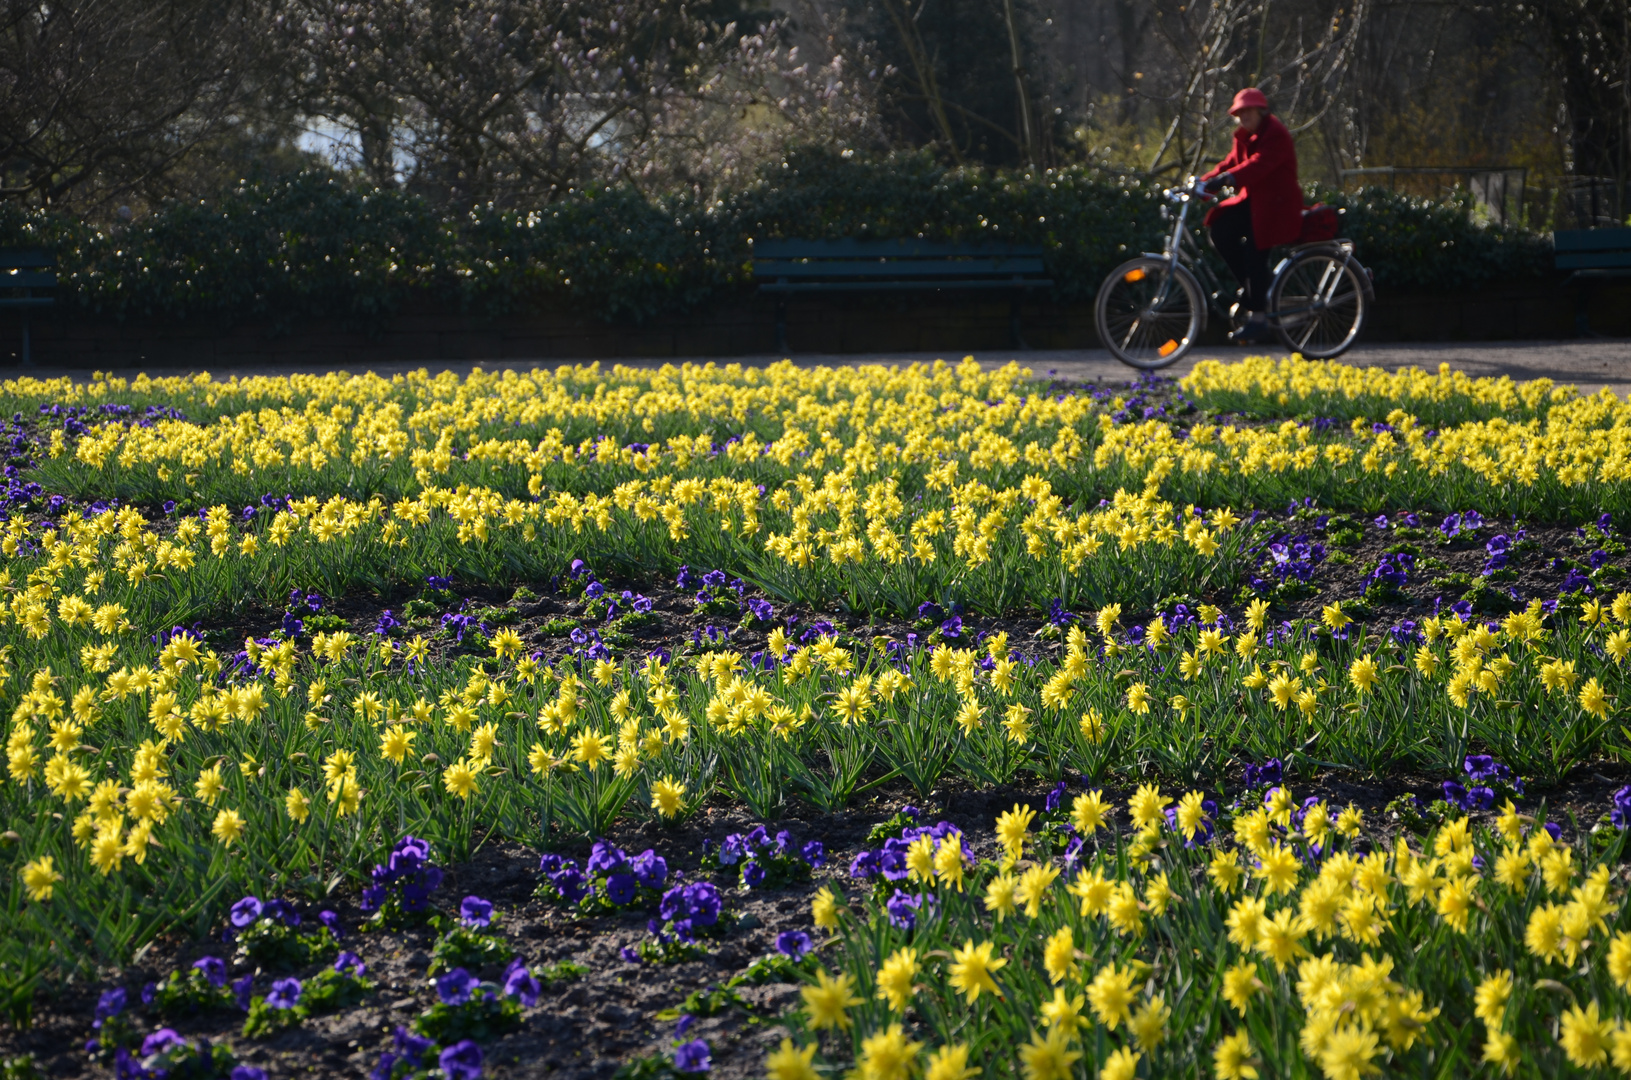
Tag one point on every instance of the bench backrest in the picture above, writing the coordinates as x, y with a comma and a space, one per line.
27, 268
893, 259
1592, 249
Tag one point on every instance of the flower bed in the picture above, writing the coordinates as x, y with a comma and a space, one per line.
970, 704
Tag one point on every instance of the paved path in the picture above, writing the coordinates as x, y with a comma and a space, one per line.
1589, 364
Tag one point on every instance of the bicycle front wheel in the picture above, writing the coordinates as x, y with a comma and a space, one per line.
1148, 314
1318, 304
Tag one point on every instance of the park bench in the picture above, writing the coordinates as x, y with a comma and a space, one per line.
22, 270
784, 267
1592, 255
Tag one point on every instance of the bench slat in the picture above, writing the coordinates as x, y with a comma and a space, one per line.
927, 249
25, 257
920, 286
901, 259
25, 301
1591, 240
787, 267
26, 279
899, 269
1600, 260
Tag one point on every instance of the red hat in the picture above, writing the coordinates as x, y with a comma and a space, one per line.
1249, 98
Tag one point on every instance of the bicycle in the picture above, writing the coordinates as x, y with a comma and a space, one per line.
1151, 310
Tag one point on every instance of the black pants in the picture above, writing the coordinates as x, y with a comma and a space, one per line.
1232, 237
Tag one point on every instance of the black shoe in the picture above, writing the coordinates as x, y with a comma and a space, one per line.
1255, 332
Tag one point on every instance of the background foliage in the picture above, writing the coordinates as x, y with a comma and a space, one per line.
313, 246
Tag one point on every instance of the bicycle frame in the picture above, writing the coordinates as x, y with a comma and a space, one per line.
1182, 250
1342, 254
1175, 256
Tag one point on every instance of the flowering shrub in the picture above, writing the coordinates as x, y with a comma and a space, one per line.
290, 1000
468, 1008
610, 880
201, 988
762, 861
115, 1031
918, 850
794, 956
685, 1055
414, 1057
401, 887
1487, 781
269, 934
1365, 959
686, 914
690, 1055
167, 1055
465, 945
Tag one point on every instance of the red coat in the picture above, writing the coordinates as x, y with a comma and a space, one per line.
1264, 165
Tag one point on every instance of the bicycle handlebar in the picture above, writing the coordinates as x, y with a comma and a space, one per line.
1193, 188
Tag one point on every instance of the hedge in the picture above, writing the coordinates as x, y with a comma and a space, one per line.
311, 245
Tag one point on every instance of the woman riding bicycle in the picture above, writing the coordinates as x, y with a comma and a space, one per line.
1265, 210
1152, 309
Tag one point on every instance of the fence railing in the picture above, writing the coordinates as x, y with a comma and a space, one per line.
1498, 189
1508, 195
1594, 202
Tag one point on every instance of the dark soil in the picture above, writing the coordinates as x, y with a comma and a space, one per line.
593, 1025
1445, 572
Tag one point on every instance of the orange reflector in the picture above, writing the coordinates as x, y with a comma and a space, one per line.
1169, 348
1136, 274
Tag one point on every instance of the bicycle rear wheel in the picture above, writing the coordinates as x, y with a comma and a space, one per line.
1318, 304
1149, 315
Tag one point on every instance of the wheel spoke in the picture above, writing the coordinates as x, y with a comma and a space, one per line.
1318, 307
1302, 342
1330, 273
1131, 330
1138, 319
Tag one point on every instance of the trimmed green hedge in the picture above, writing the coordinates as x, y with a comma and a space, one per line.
310, 246
1418, 245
